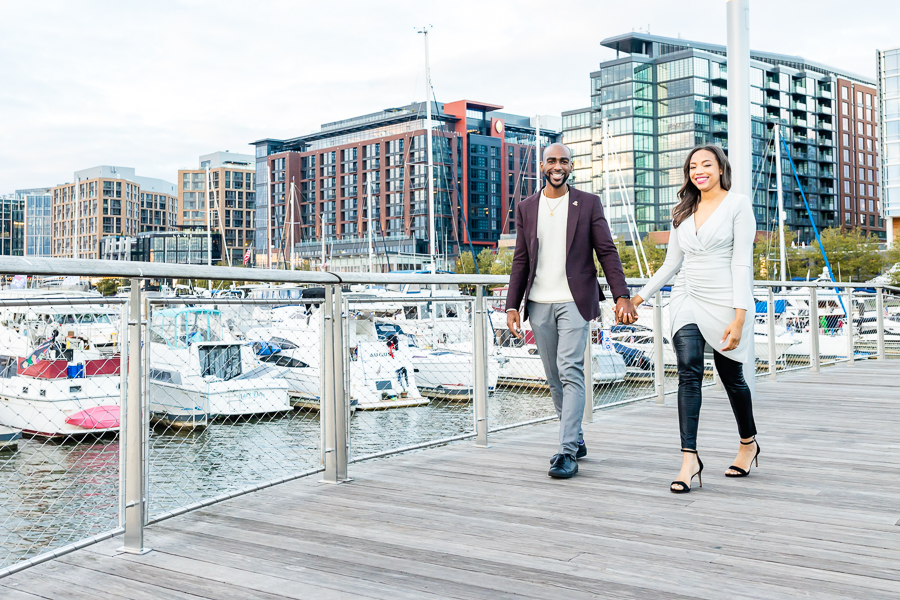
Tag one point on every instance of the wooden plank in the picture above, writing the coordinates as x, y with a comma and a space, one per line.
818, 518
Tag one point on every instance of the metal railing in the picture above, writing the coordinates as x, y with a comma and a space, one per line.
289, 387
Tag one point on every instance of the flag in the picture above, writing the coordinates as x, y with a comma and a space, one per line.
247, 254
19, 281
35, 356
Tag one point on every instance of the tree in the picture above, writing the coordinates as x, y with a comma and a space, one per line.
108, 287
655, 256
465, 264
503, 262
485, 261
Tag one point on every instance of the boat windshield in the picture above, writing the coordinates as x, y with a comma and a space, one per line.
183, 328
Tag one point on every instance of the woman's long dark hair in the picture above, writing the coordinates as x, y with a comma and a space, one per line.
689, 194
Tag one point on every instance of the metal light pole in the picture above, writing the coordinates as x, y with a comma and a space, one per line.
739, 141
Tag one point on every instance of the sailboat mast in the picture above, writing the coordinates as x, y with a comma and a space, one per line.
291, 236
269, 217
75, 233
208, 203
781, 216
428, 148
604, 126
369, 225
537, 153
322, 225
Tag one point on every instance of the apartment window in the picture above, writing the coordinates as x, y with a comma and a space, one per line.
846, 203
859, 97
869, 100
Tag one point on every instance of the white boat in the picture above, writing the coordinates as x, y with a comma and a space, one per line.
50, 390
198, 371
379, 372
524, 367
95, 325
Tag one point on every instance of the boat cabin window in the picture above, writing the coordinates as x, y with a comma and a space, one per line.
223, 362
284, 361
283, 343
8, 367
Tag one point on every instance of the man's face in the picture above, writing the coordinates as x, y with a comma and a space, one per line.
557, 165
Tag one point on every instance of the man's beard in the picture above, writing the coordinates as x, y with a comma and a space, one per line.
550, 181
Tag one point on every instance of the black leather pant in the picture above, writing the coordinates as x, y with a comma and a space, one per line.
689, 345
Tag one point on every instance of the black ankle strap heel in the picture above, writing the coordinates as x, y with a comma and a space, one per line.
740, 471
685, 487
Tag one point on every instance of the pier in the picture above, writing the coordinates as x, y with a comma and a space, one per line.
818, 518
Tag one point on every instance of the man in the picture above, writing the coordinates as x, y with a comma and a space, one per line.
553, 275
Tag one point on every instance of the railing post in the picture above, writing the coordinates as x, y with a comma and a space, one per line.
326, 400
479, 331
879, 321
848, 326
813, 330
770, 318
333, 405
133, 541
659, 367
588, 416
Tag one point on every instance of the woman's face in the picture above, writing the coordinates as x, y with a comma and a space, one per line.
705, 171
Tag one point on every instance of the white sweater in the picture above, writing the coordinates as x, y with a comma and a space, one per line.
550, 281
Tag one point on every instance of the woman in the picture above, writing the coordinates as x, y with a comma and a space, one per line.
711, 249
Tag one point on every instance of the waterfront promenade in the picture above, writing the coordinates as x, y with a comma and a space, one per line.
819, 518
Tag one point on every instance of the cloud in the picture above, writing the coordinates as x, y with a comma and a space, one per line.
153, 85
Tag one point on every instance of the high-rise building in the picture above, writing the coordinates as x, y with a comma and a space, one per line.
484, 164
12, 226
889, 94
232, 199
38, 210
110, 200
663, 96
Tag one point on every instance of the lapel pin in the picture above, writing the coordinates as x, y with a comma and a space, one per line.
575, 203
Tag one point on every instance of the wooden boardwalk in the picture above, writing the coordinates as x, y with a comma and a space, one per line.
819, 518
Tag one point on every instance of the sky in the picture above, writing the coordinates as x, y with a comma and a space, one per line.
153, 85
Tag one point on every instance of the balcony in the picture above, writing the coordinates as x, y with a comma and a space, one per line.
822, 93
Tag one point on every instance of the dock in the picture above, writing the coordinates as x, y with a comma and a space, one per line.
819, 518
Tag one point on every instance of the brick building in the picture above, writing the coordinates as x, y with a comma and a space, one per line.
483, 165
110, 201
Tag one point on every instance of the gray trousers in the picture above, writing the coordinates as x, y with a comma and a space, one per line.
561, 336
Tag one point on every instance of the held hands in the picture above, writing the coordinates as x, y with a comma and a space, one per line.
514, 323
626, 311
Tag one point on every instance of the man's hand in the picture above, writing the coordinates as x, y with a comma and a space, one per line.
625, 311
514, 323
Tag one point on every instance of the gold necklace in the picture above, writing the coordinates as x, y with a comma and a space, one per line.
552, 208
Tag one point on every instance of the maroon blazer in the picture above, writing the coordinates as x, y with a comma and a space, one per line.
587, 232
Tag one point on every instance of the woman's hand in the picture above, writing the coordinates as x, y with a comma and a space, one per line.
733, 332
637, 301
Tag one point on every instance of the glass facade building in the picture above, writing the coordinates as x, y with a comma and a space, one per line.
12, 225
662, 96
38, 227
889, 94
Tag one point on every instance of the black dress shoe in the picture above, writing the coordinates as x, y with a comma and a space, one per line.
564, 466
582, 452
